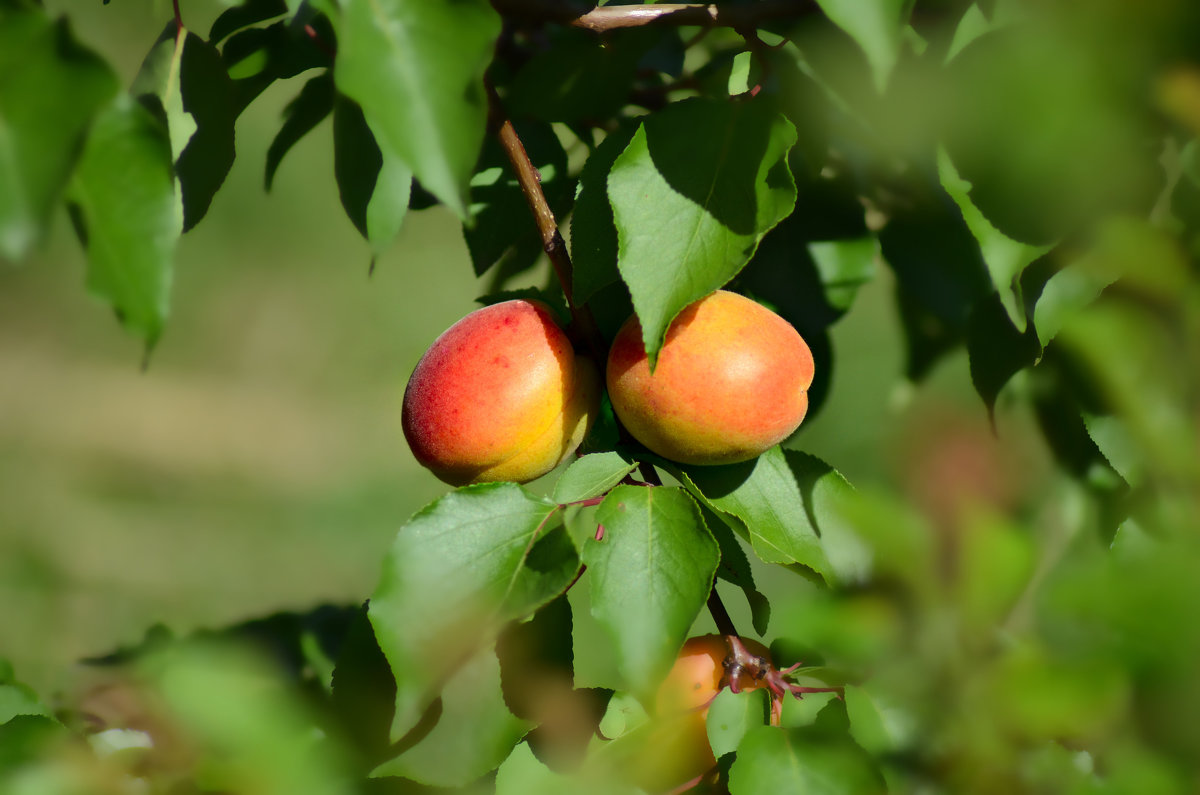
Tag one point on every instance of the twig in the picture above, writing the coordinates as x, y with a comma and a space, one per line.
606, 18
553, 244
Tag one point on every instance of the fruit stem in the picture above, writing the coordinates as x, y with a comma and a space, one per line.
530, 180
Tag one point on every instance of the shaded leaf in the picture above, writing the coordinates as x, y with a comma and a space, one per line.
650, 576
997, 350
208, 95
876, 26
695, 190
735, 568
731, 715
51, 87
593, 231
374, 187
127, 214
462, 567
243, 15
416, 68
302, 114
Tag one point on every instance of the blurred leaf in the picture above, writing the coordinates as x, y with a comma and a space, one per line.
876, 25
244, 14
126, 212
623, 714
731, 715
503, 230
374, 187
461, 568
579, 75
878, 727
772, 759
997, 350
302, 114
24, 739
250, 730
593, 231
51, 87
416, 68
996, 562
698, 186
590, 476
1005, 258
844, 266
208, 95
650, 576
364, 692
156, 85
18, 699
473, 734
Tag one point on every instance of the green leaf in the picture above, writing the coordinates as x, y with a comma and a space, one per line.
462, 567
997, 350
874, 724
1117, 446
844, 266
769, 499
593, 231
302, 114
127, 214
25, 739
374, 186
18, 699
416, 68
1005, 257
773, 759
692, 195
731, 715
51, 87
473, 733
156, 86
209, 96
591, 475
876, 25
504, 230
524, 774
650, 576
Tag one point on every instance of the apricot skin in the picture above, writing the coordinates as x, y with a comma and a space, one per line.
731, 381
500, 395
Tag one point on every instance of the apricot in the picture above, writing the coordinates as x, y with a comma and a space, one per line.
731, 381
500, 395
699, 674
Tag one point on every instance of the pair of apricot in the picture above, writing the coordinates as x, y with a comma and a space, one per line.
502, 394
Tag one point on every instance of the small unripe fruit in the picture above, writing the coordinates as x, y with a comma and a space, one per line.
500, 395
731, 381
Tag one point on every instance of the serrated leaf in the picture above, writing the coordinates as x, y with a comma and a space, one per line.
416, 68
692, 195
18, 699
473, 734
126, 211
876, 26
460, 569
209, 96
593, 231
374, 186
503, 230
772, 759
1116, 445
650, 576
51, 88
590, 476
302, 114
1005, 257
764, 496
731, 715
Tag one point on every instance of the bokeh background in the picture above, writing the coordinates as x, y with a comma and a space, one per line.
257, 463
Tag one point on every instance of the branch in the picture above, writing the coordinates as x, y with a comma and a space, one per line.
606, 18
553, 244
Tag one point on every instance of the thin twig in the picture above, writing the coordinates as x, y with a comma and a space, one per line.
606, 18
553, 244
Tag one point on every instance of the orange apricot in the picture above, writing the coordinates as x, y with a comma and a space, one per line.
731, 381
500, 395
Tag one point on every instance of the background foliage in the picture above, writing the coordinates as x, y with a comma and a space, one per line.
945, 198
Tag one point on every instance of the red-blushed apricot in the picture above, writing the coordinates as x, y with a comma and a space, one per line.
500, 395
731, 381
